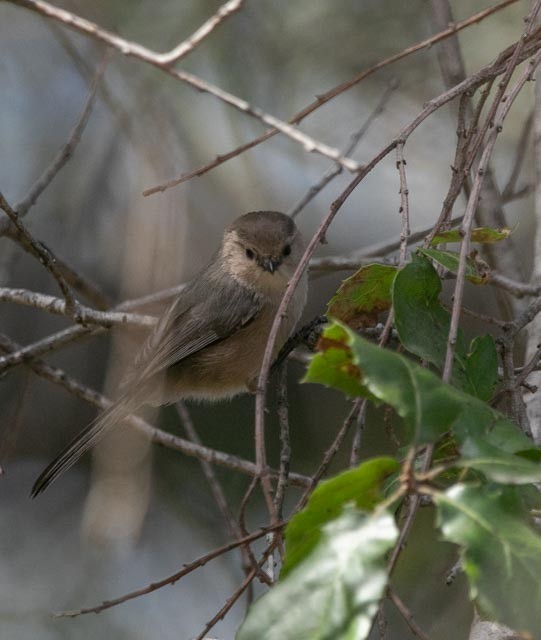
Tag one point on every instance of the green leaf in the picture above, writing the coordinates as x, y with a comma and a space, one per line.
484, 235
496, 464
362, 486
363, 296
334, 593
450, 260
506, 436
420, 320
423, 328
430, 407
482, 367
501, 553
334, 366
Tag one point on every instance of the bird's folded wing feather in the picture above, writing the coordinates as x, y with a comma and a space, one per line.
198, 318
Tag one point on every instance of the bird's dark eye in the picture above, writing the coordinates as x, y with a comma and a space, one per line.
250, 254
287, 250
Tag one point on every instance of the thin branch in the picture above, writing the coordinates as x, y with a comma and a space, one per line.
271, 340
359, 406
524, 319
44, 255
336, 169
236, 594
173, 578
188, 45
406, 614
520, 154
328, 264
140, 52
66, 336
227, 460
65, 153
208, 471
404, 209
529, 367
333, 93
57, 306
498, 119
282, 410
43, 346
76, 280
518, 289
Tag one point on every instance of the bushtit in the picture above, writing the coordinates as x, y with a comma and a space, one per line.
209, 344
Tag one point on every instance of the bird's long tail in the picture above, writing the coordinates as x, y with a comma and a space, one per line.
83, 442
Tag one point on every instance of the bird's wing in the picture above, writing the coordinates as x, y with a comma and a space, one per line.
200, 317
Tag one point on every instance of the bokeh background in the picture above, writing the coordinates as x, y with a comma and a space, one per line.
143, 513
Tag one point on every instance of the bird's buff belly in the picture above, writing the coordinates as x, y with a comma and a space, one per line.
224, 369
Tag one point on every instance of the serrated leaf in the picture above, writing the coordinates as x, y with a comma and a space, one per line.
501, 553
363, 296
484, 235
496, 464
334, 366
362, 486
423, 328
450, 260
334, 593
430, 407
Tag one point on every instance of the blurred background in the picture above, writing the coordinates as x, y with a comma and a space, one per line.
143, 513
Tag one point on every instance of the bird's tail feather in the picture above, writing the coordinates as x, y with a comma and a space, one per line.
83, 442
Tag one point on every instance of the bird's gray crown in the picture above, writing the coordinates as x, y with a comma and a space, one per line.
263, 228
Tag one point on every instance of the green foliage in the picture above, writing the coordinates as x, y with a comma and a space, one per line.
333, 593
450, 260
423, 326
360, 486
335, 364
484, 235
501, 553
430, 407
363, 296
334, 570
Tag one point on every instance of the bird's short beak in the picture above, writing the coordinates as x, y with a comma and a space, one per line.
270, 265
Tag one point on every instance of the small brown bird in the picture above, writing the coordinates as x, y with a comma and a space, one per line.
209, 344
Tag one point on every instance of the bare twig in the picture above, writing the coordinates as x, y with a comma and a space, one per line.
496, 118
208, 471
404, 203
235, 595
229, 461
76, 280
518, 289
140, 52
66, 336
271, 340
43, 346
406, 614
57, 306
336, 169
520, 154
331, 94
188, 45
175, 577
285, 451
44, 255
65, 153
529, 367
